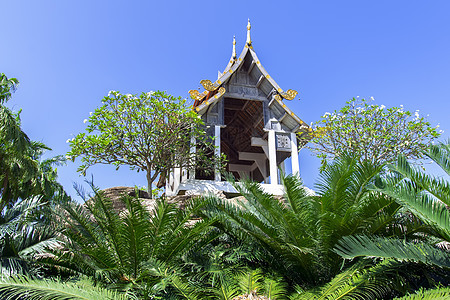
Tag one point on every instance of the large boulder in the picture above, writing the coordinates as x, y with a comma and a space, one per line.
115, 193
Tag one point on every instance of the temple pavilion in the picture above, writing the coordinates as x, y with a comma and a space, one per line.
244, 110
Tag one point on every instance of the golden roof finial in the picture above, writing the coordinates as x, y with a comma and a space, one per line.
233, 56
249, 41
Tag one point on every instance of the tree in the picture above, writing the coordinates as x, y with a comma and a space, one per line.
150, 132
7, 87
23, 173
27, 188
425, 198
300, 232
137, 250
371, 132
24, 234
428, 199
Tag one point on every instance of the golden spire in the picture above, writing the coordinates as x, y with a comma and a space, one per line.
249, 41
233, 56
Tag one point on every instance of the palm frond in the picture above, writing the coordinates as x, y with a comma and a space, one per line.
355, 246
136, 229
186, 290
357, 282
135, 249
275, 288
423, 205
28, 288
440, 154
226, 290
438, 187
346, 206
251, 282
440, 293
7, 87
10, 266
40, 246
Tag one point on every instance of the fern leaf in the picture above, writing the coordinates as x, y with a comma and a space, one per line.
354, 246
27, 288
441, 293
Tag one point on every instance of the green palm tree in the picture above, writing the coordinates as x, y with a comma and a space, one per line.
28, 288
301, 231
23, 173
7, 87
424, 196
138, 250
24, 236
360, 281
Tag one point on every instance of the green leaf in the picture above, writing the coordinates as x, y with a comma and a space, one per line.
361, 245
25, 287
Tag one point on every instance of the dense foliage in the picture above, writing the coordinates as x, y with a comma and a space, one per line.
28, 188
371, 132
137, 250
301, 232
23, 173
150, 132
7, 87
255, 245
369, 231
428, 199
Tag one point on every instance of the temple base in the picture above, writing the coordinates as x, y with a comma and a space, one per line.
203, 187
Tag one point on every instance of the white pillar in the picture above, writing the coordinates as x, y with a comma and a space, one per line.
192, 151
169, 184
217, 175
294, 154
272, 158
168, 187
176, 178
184, 174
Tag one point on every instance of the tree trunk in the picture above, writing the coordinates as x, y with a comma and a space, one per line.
149, 182
162, 180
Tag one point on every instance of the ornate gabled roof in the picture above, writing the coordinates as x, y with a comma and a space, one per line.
215, 90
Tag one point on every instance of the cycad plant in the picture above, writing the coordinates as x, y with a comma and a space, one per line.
23, 287
361, 281
24, 235
138, 250
247, 284
427, 198
424, 198
225, 270
300, 231
440, 293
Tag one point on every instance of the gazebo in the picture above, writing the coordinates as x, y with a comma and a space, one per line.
244, 111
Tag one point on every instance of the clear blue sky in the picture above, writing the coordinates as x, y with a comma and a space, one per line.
67, 55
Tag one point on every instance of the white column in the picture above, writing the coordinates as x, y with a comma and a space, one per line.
272, 158
169, 184
176, 178
192, 151
184, 174
294, 154
217, 176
